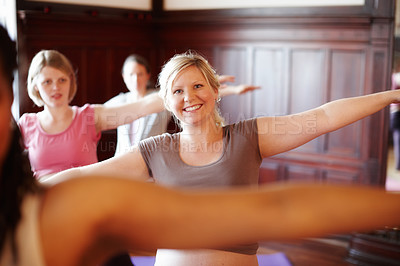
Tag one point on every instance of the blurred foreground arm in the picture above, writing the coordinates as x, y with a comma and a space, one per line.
89, 213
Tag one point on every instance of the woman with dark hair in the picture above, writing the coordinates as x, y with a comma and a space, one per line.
16, 179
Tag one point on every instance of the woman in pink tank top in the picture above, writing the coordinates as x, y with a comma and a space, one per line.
62, 136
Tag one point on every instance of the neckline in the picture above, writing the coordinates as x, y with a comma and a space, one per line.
74, 115
224, 146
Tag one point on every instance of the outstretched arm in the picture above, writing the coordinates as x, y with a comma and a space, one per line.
130, 164
283, 133
226, 90
110, 117
89, 213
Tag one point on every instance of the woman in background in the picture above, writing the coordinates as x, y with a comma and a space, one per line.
136, 75
64, 136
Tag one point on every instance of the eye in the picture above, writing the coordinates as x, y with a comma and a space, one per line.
62, 80
46, 82
177, 91
197, 86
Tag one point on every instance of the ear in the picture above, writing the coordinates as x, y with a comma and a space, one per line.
216, 94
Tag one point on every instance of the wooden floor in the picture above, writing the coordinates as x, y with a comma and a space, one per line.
310, 252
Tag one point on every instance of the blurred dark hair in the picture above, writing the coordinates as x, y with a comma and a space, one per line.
16, 178
8, 55
138, 59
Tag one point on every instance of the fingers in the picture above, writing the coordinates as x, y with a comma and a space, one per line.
226, 78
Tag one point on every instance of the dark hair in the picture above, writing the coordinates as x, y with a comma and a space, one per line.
16, 178
8, 55
138, 59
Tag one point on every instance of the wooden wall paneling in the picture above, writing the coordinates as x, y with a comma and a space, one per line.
306, 88
301, 173
269, 72
347, 80
270, 172
379, 125
341, 176
307, 79
234, 61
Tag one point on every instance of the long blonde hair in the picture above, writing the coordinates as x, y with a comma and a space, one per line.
178, 63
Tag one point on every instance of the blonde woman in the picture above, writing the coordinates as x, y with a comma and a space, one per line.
136, 75
209, 154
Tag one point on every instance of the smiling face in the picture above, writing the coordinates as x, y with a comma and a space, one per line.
136, 77
53, 86
191, 98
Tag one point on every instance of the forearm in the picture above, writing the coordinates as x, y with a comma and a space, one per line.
319, 210
61, 176
274, 213
236, 90
151, 104
286, 212
113, 117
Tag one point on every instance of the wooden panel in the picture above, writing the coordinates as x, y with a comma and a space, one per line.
341, 177
269, 67
269, 172
347, 76
307, 85
301, 173
307, 79
234, 61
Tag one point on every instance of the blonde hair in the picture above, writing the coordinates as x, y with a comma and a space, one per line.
53, 59
177, 64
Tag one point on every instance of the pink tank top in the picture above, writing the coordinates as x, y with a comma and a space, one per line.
52, 153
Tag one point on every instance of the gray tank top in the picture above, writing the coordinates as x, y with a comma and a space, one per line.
238, 165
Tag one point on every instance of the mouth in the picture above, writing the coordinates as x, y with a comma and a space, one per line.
57, 96
192, 108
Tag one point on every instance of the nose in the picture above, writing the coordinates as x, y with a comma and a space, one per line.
56, 86
189, 95
135, 80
